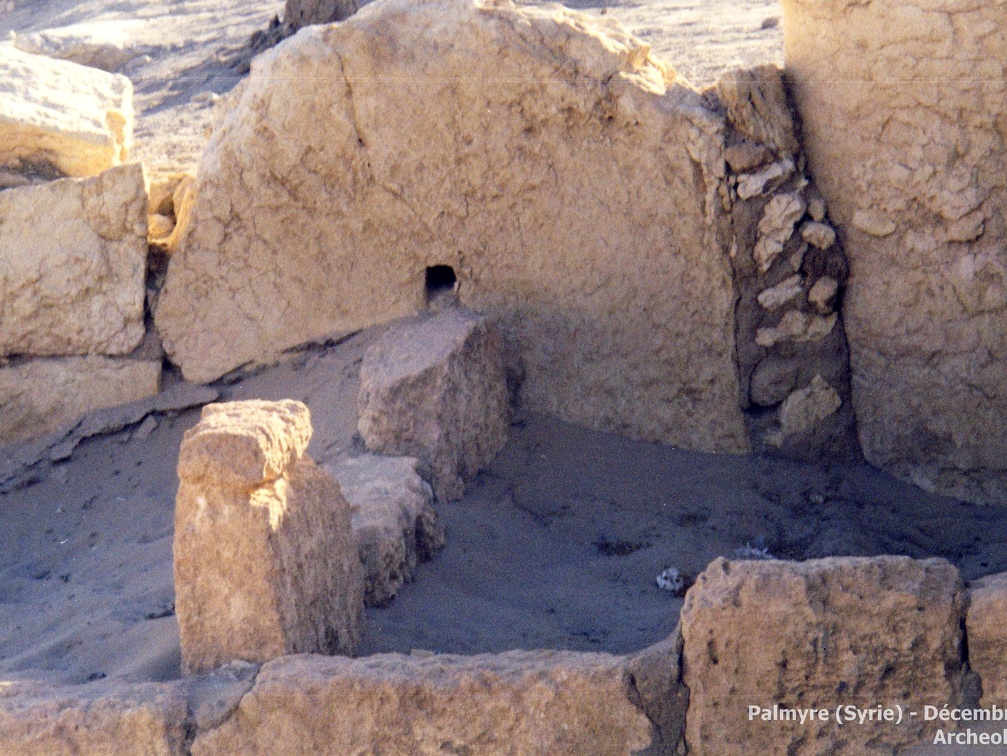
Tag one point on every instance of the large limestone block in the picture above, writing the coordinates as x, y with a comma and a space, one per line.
564, 174
79, 119
41, 396
73, 260
394, 522
987, 634
51, 720
265, 561
814, 635
433, 387
546, 702
903, 109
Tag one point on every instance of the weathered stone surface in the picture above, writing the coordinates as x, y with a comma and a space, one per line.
821, 235
76, 118
104, 718
433, 387
804, 409
514, 702
822, 295
757, 106
41, 396
776, 227
796, 326
782, 294
756, 184
747, 156
73, 259
656, 675
987, 636
903, 109
816, 634
265, 561
537, 190
394, 523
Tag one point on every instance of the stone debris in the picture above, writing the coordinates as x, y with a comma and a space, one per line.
37, 719
782, 294
756, 184
776, 227
73, 256
513, 702
41, 396
822, 295
265, 560
433, 387
796, 326
987, 636
819, 234
818, 634
804, 409
78, 119
816, 207
343, 240
394, 522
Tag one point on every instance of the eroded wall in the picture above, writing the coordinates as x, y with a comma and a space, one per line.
904, 121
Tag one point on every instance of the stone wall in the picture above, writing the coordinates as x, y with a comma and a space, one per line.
904, 123
576, 200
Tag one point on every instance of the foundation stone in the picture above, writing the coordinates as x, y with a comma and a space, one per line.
265, 561
987, 635
394, 523
818, 634
514, 702
41, 396
434, 387
53, 720
73, 258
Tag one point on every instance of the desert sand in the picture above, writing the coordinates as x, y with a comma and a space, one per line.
558, 544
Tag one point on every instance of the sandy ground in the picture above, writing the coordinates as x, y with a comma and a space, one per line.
556, 545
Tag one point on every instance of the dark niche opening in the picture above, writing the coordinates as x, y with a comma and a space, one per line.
440, 281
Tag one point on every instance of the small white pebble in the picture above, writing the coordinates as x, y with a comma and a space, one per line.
670, 580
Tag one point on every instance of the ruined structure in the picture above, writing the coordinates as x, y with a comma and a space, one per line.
575, 201
904, 119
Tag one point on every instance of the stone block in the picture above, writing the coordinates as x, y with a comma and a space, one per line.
547, 702
580, 211
41, 396
73, 261
817, 634
987, 634
394, 523
433, 387
105, 718
265, 561
903, 108
76, 118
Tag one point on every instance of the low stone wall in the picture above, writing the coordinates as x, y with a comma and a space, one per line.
904, 121
778, 636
